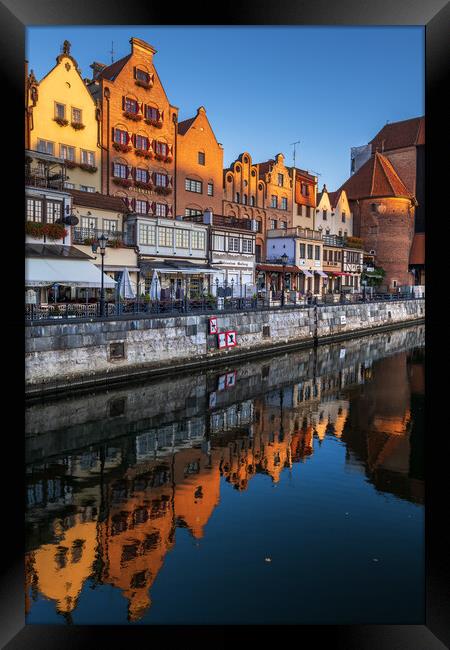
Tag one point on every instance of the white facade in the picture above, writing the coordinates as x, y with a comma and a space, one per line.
334, 219
168, 238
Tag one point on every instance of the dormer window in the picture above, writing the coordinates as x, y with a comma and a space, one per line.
142, 76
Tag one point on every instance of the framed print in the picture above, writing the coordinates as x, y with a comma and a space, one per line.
150, 500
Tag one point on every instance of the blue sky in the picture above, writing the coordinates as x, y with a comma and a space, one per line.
266, 87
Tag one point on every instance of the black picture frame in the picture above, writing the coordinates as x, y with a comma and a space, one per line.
15, 15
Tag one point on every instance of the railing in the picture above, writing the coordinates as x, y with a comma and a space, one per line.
38, 180
302, 233
91, 235
223, 221
333, 240
203, 305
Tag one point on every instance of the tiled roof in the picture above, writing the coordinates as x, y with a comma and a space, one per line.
400, 134
376, 177
97, 200
264, 167
417, 252
334, 197
111, 71
185, 125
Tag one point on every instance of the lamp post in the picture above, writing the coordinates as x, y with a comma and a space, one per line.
102, 241
284, 259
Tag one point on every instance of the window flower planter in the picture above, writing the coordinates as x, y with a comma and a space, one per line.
77, 126
51, 230
143, 84
88, 168
143, 153
165, 191
155, 123
143, 185
124, 148
71, 164
132, 116
115, 243
61, 121
168, 159
124, 182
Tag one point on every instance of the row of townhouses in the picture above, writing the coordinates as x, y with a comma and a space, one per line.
113, 176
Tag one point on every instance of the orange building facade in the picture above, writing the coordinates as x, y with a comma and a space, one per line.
199, 167
138, 132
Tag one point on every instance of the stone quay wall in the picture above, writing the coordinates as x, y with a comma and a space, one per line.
81, 354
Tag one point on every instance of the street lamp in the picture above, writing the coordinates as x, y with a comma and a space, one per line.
102, 241
284, 259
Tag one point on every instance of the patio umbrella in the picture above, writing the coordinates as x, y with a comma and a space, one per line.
155, 287
125, 288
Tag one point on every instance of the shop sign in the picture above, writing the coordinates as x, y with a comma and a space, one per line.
231, 338
213, 327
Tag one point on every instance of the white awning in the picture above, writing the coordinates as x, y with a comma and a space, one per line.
307, 273
42, 272
324, 275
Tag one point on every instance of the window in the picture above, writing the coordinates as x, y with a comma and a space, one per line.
88, 157
273, 224
340, 233
110, 225
201, 158
193, 186
210, 189
141, 175
324, 215
327, 231
310, 251
238, 197
283, 225
120, 136
258, 252
304, 189
274, 201
325, 255
280, 180
87, 188
131, 105
141, 142
247, 246
142, 76
317, 252
244, 199
44, 146
54, 210
66, 152
161, 180
343, 217
60, 111
88, 223
69, 186
219, 242
198, 240
147, 234
151, 113
76, 115
252, 200
141, 206
120, 171
165, 236
284, 203
303, 251
182, 238
34, 210
161, 210
161, 148
192, 212
233, 244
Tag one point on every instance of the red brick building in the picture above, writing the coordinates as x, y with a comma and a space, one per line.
383, 216
199, 167
138, 132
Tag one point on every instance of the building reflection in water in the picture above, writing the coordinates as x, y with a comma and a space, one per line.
108, 514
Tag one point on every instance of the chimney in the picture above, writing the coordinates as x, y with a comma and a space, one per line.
97, 68
208, 217
138, 46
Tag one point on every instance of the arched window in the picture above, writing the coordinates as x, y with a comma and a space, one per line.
238, 197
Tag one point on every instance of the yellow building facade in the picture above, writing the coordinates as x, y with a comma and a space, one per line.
63, 120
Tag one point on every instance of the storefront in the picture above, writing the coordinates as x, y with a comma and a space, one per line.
177, 280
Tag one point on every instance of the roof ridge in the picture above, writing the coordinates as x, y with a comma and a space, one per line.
386, 166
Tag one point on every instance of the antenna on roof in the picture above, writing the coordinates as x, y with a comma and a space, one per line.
112, 52
293, 145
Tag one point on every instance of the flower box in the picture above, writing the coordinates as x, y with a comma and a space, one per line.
115, 243
143, 153
77, 126
124, 148
132, 116
143, 185
165, 191
124, 182
143, 84
61, 121
71, 164
155, 123
88, 168
168, 159
51, 230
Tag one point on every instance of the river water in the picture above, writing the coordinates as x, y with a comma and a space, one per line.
285, 490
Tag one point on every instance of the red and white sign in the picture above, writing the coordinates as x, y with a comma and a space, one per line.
222, 340
213, 327
231, 379
231, 338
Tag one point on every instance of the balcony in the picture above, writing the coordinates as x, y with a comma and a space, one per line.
52, 181
333, 240
298, 232
220, 221
89, 236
